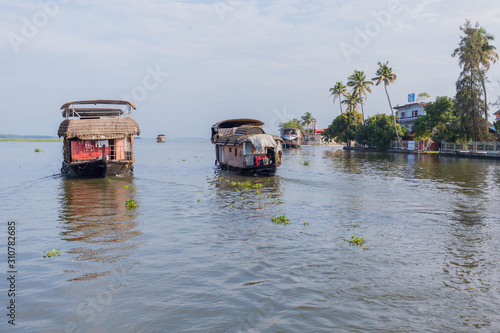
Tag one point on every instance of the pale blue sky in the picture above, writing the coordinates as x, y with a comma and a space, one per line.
189, 64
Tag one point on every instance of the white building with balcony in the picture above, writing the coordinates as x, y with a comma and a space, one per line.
408, 113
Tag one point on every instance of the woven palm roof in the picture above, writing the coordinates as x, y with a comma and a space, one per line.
96, 129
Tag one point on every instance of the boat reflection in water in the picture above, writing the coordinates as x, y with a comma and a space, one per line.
95, 219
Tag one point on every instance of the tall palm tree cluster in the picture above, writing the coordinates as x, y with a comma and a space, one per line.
360, 89
475, 56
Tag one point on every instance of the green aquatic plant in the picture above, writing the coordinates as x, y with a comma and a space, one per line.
306, 163
51, 253
131, 203
283, 219
305, 223
38, 150
257, 192
357, 240
129, 187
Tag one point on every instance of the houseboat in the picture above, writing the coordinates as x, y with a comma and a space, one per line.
292, 137
241, 145
160, 138
98, 138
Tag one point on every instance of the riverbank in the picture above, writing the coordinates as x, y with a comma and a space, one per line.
31, 140
462, 154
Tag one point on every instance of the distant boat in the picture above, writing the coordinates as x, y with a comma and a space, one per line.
292, 137
160, 138
98, 140
241, 145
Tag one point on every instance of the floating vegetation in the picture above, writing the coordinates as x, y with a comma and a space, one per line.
51, 253
283, 219
129, 187
38, 150
131, 203
183, 160
306, 163
357, 241
257, 192
198, 200
305, 223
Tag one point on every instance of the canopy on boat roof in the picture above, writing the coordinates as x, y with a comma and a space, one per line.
237, 123
98, 101
97, 129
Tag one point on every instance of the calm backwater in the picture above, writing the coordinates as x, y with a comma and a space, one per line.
201, 254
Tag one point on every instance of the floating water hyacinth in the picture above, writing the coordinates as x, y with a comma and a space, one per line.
283, 219
131, 203
51, 253
357, 241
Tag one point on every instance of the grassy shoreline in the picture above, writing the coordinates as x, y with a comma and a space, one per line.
30, 140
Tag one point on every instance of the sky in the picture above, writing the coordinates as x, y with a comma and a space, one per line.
188, 64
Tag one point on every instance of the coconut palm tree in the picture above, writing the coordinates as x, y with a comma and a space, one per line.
338, 91
360, 86
476, 54
352, 101
487, 56
384, 74
308, 120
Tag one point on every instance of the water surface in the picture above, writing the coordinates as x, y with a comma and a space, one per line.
200, 253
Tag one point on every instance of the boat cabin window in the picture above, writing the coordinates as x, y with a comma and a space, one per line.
235, 151
229, 149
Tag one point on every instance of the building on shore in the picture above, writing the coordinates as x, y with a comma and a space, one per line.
408, 113
497, 116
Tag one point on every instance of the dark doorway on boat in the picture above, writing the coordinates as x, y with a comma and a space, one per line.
112, 149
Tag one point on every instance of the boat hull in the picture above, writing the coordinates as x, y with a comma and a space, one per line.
269, 170
97, 169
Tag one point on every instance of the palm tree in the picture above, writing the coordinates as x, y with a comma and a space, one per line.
360, 86
352, 101
308, 120
384, 74
487, 56
338, 91
476, 54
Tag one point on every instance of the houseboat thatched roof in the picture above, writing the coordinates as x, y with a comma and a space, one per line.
237, 123
237, 140
233, 126
98, 129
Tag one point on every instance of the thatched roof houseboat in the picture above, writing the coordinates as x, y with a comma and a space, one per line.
161, 138
98, 138
242, 145
292, 137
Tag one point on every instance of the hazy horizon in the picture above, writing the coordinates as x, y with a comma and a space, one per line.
189, 64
